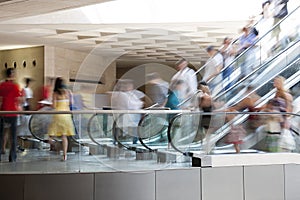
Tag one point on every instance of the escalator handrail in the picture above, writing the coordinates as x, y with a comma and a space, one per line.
253, 45
243, 113
121, 145
266, 80
139, 135
169, 133
31, 131
189, 98
232, 42
89, 128
141, 123
225, 128
265, 98
255, 70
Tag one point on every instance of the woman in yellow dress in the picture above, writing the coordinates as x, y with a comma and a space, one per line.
62, 124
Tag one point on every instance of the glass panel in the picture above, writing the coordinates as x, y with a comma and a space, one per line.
262, 61
153, 130
100, 128
248, 132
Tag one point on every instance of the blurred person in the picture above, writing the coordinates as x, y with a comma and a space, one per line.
280, 11
215, 64
210, 120
272, 127
156, 89
61, 124
266, 9
247, 61
5, 133
188, 76
228, 52
264, 25
283, 100
296, 105
266, 21
125, 97
236, 135
28, 95
238, 131
47, 89
23, 120
204, 101
11, 97
278, 41
282, 95
5, 139
278, 125
205, 104
174, 97
295, 120
249, 104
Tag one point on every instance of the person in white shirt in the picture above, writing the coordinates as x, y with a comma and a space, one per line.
188, 76
28, 94
125, 97
214, 66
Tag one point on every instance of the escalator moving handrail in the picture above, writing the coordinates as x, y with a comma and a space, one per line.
139, 136
35, 136
261, 102
265, 81
255, 70
189, 98
241, 114
256, 42
120, 144
169, 133
89, 129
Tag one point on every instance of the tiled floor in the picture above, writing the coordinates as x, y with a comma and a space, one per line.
34, 161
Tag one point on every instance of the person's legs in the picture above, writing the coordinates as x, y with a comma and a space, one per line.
64, 146
134, 134
276, 30
237, 148
5, 139
13, 147
1, 133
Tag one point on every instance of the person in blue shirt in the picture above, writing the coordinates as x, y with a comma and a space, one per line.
175, 96
248, 59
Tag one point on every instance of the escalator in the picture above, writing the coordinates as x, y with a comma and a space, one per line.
153, 128
115, 129
188, 141
262, 65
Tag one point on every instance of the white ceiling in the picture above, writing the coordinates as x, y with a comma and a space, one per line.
37, 22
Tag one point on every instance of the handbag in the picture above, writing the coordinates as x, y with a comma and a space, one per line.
287, 140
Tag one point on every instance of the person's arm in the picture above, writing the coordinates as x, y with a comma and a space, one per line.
289, 102
147, 101
70, 96
216, 72
219, 66
54, 98
242, 104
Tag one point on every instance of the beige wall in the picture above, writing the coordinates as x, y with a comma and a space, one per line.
35, 72
138, 70
83, 67
71, 64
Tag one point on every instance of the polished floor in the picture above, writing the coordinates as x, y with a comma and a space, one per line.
35, 161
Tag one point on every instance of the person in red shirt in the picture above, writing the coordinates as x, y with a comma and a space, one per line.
11, 98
